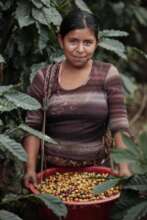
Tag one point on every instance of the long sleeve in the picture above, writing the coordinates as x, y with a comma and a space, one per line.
34, 118
118, 119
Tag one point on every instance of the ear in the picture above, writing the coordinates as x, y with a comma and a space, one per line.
60, 41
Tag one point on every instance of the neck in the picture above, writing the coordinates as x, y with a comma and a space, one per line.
68, 66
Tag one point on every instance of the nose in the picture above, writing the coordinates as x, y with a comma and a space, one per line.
80, 48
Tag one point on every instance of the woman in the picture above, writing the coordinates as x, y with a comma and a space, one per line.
86, 98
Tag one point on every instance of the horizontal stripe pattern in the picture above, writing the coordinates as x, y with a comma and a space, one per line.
77, 118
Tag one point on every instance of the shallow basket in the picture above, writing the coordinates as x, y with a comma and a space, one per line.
92, 210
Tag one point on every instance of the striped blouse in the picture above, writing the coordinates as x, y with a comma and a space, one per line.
77, 118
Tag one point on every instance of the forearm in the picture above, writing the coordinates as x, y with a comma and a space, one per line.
31, 145
124, 169
119, 141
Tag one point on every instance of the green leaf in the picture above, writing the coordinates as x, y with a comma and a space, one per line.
58, 58
82, 5
62, 5
138, 51
43, 38
106, 185
39, 16
131, 154
129, 84
23, 101
137, 182
138, 168
131, 146
113, 45
23, 14
35, 68
118, 8
46, 2
123, 155
6, 105
7, 5
1, 5
37, 133
4, 89
2, 59
127, 199
112, 33
13, 147
143, 144
47, 16
37, 3
53, 203
1, 123
136, 212
141, 187
52, 16
5, 215
141, 15
145, 127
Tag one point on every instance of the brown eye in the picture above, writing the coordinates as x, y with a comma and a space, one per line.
73, 41
88, 43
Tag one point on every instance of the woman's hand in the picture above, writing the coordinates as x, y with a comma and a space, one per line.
31, 145
123, 169
30, 177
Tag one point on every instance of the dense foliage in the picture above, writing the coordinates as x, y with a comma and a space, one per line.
132, 204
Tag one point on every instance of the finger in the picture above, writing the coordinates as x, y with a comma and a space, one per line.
34, 181
116, 171
28, 180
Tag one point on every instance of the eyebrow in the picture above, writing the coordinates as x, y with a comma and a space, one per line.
75, 38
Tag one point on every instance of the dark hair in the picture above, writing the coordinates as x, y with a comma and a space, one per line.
78, 19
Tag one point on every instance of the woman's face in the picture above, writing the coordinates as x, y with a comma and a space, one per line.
79, 46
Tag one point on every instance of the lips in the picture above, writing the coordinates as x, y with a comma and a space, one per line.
79, 57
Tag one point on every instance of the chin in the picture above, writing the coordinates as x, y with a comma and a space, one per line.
80, 63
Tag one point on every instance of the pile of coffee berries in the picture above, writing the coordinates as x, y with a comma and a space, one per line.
76, 186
